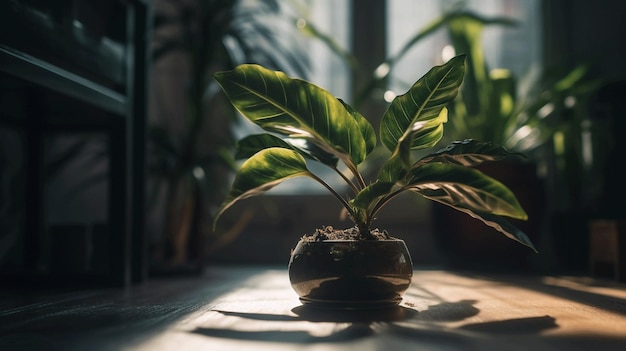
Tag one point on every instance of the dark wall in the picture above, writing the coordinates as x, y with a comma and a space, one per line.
577, 30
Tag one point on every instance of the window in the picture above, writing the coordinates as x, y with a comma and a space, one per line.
516, 48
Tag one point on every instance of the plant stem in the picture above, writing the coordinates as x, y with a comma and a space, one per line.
352, 167
332, 191
347, 180
380, 204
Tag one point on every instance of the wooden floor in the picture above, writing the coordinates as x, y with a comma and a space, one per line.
254, 308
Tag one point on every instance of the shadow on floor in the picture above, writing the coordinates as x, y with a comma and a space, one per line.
406, 323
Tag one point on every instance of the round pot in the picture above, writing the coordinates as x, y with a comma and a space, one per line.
350, 273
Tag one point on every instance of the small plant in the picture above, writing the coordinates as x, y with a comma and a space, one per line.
306, 123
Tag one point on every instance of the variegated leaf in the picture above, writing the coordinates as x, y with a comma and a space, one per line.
423, 103
294, 108
263, 171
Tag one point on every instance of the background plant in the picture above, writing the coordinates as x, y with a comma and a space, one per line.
495, 105
190, 147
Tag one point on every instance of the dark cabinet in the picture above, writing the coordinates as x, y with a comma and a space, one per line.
73, 91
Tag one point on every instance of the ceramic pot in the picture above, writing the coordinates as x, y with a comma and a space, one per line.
350, 274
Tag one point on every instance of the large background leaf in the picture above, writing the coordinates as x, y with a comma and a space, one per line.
294, 108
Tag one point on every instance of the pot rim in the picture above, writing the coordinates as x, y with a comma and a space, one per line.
351, 240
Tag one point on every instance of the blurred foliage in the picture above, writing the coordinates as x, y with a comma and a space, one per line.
194, 164
494, 105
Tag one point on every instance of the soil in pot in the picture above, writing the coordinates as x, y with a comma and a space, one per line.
335, 269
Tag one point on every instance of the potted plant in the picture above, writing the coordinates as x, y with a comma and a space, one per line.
361, 266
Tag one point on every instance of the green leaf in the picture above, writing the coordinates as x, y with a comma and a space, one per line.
295, 108
371, 194
572, 78
423, 103
369, 135
312, 151
469, 153
392, 170
498, 223
503, 226
472, 192
263, 171
254, 143
466, 35
463, 187
400, 160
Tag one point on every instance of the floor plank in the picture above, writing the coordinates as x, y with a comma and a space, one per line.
254, 308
